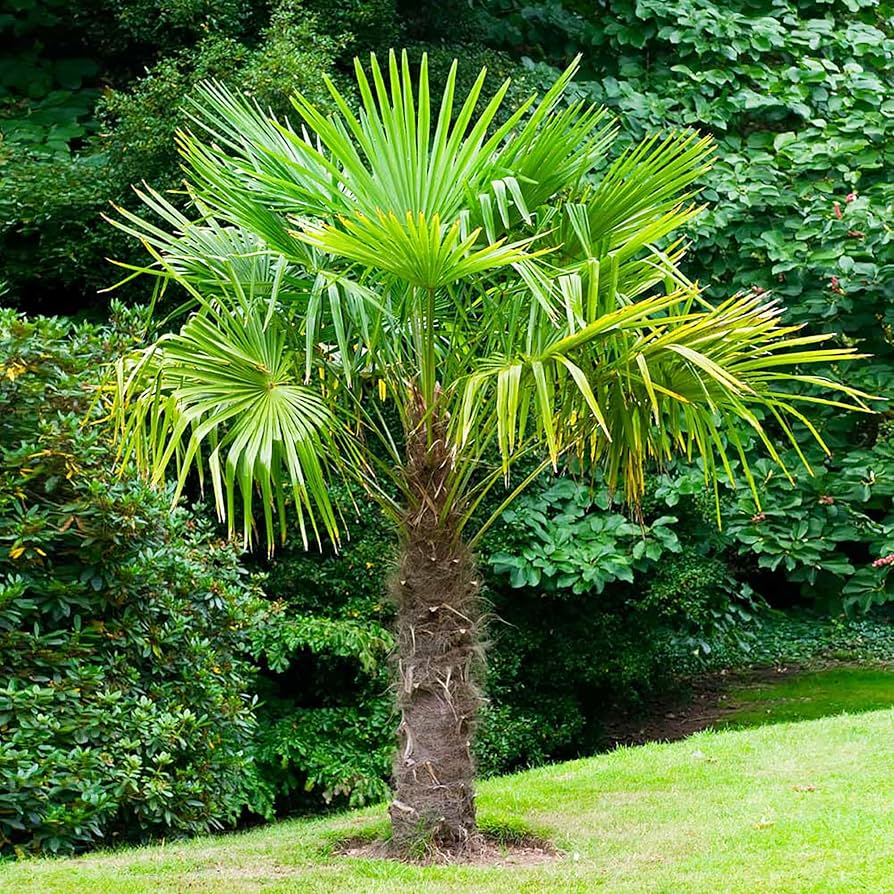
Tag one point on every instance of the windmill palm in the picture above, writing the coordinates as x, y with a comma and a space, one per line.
417, 297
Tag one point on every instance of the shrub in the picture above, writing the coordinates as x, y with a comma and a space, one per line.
558, 665
826, 535
695, 599
595, 612
125, 703
585, 613
566, 540
805, 638
325, 727
52, 235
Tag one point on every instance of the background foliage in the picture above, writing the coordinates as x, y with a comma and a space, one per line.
325, 722
797, 95
91, 98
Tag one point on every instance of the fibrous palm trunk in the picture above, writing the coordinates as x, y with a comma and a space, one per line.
438, 652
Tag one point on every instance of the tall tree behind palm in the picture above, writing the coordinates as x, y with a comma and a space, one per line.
400, 294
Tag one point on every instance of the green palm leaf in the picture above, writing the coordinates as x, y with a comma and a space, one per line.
653, 379
226, 385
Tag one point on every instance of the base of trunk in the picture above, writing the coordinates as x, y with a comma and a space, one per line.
527, 850
448, 828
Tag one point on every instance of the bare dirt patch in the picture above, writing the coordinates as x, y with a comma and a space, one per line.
484, 851
704, 703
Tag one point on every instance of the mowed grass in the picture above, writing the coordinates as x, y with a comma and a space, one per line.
811, 694
800, 808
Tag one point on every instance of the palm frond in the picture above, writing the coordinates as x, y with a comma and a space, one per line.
388, 189
223, 395
474, 271
655, 379
204, 252
419, 251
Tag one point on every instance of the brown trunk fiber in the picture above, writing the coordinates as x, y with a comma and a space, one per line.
438, 650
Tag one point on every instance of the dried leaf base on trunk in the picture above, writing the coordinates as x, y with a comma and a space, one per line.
436, 590
437, 697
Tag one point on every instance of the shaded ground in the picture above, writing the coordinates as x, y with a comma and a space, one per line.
757, 696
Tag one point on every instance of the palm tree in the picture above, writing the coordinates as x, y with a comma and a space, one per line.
417, 297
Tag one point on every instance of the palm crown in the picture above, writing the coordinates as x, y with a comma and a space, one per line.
474, 275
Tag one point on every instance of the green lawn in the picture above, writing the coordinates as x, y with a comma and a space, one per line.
800, 808
811, 694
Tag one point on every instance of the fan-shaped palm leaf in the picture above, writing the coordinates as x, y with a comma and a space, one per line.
227, 384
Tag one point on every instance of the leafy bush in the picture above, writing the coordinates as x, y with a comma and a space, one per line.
325, 730
125, 703
557, 666
595, 612
826, 533
325, 725
804, 638
694, 598
565, 539
47, 86
50, 210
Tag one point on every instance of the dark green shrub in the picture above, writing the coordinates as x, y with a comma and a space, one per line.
325, 730
829, 534
148, 29
565, 539
363, 25
52, 235
695, 599
48, 84
793, 638
598, 610
125, 705
557, 666
595, 613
